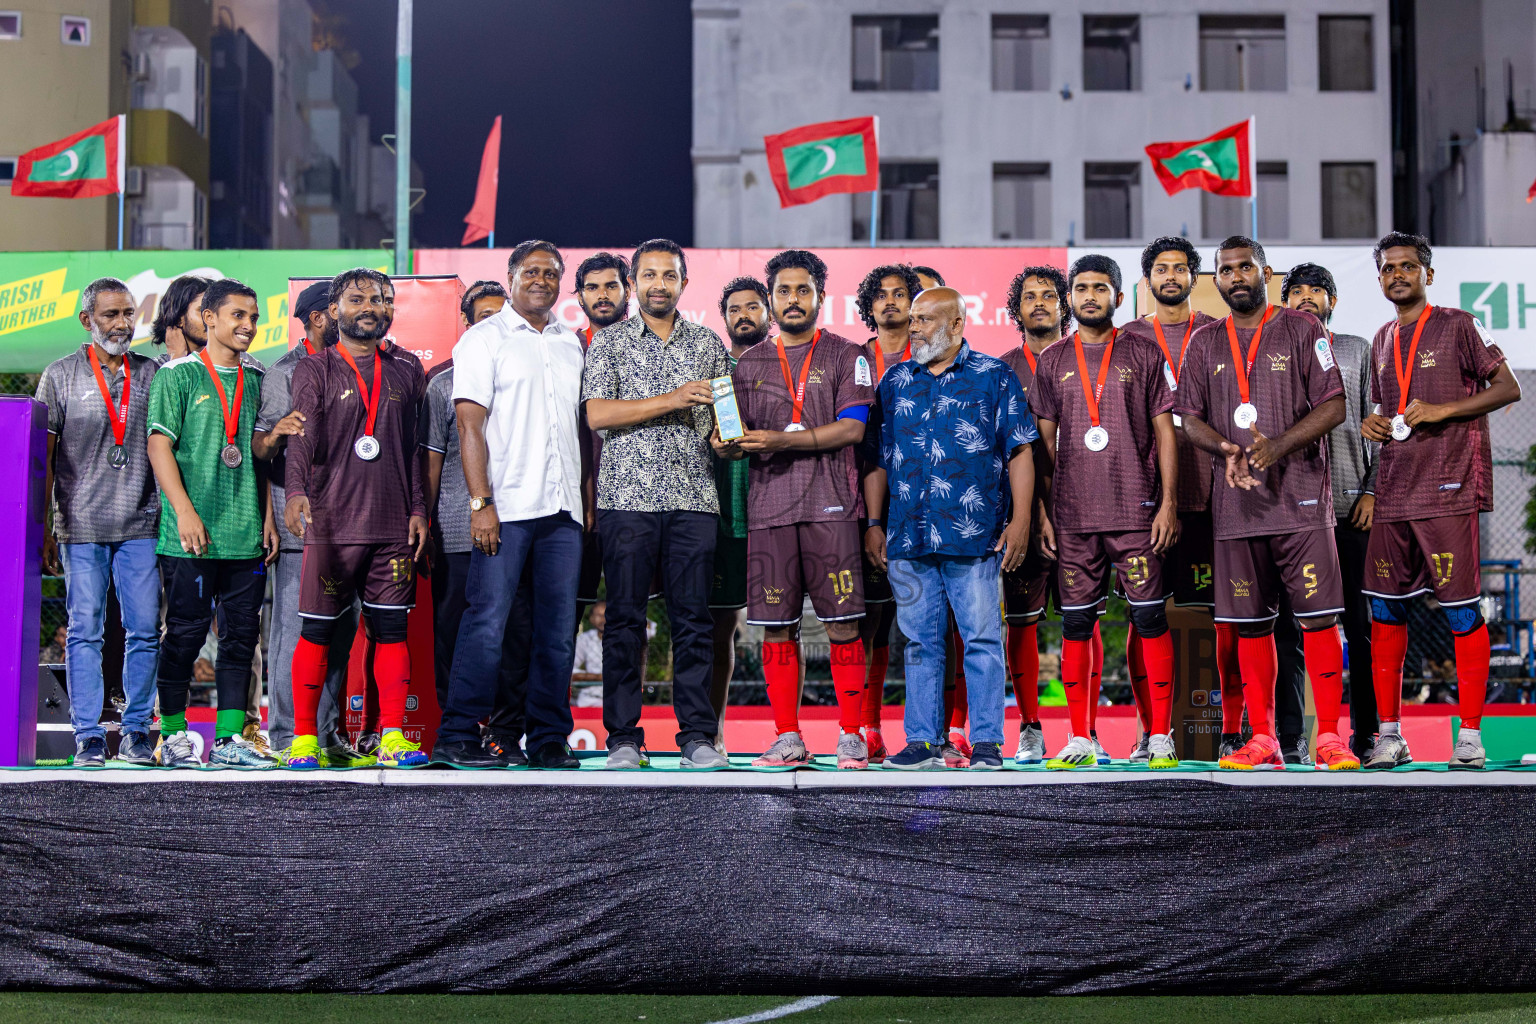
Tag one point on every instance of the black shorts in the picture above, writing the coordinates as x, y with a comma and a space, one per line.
1189, 569
332, 575
786, 564
1027, 588
728, 589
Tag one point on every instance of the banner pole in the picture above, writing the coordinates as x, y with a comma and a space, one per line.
1253, 182
122, 174
874, 217
490, 239
120, 202
403, 137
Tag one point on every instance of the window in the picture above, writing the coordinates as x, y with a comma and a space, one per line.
1221, 216
909, 204
1021, 52
1111, 201
1111, 53
1345, 60
1021, 201
898, 54
7, 170
1349, 200
1242, 53
10, 24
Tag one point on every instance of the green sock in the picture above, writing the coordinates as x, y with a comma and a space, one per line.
229, 723
172, 724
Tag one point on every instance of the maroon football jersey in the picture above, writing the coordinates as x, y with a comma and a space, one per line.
1293, 372
1194, 472
879, 363
802, 487
1443, 469
1119, 488
1019, 362
355, 501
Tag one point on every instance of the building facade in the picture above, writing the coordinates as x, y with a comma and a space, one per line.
1007, 122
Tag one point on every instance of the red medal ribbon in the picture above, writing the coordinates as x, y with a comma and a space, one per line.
231, 410
308, 347
119, 422
1242, 369
1405, 372
1091, 395
371, 397
1162, 342
1029, 357
880, 358
797, 394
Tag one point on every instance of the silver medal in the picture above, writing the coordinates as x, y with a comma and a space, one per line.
1097, 439
1400, 428
1245, 415
794, 427
117, 458
231, 456
366, 447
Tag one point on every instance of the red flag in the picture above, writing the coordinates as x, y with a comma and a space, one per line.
1530, 193
85, 164
818, 160
480, 221
1218, 163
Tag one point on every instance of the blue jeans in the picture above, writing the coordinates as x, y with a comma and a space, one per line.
926, 590
88, 568
553, 546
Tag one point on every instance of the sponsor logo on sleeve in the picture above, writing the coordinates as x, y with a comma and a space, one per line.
1324, 353
861, 374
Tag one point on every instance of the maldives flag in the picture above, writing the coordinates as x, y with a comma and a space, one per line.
823, 159
1219, 163
87, 163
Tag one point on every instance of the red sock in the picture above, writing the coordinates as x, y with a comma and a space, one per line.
308, 676
958, 706
1095, 676
1024, 667
1076, 663
850, 678
392, 669
781, 671
1389, 646
1260, 666
1158, 654
1136, 665
1325, 667
1229, 672
1472, 675
874, 688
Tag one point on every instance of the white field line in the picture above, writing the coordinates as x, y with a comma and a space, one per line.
798, 1006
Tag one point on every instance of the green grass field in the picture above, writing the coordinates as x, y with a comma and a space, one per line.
73, 1008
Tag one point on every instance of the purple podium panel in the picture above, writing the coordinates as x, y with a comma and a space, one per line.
23, 464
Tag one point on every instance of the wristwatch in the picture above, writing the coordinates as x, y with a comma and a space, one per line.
476, 504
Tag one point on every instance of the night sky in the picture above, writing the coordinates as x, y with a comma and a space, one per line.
596, 101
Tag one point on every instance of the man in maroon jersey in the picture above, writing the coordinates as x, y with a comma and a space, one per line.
1260, 391
1038, 307
805, 400
884, 302
1105, 413
1438, 376
1170, 266
354, 494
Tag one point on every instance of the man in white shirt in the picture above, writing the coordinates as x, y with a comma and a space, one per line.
516, 379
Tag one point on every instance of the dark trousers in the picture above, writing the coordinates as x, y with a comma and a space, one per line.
683, 545
193, 587
1357, 632
449, 577
1291, 680
552, 545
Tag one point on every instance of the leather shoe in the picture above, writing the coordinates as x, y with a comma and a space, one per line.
553, 754
466, 755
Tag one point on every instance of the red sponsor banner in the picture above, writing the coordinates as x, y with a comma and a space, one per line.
982, 276
427, 321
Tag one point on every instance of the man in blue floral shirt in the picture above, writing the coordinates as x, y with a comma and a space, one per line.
953, 433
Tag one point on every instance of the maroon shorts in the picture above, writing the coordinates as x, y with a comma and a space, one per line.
1026, 588
1083, 561
1420, 556
785, 564
1190, 565
333, 574
1250, 571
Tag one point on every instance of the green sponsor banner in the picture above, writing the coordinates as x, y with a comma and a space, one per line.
40, 293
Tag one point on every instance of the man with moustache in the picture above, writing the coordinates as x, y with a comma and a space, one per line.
884, 301
1438, 376
516, 379
1352, 463
277, 422
178, 322
1259, 390
950, 423
744, 310
1170, 266
647, 383
804, 402
354, 495
103, 515
216, 529
1039, 309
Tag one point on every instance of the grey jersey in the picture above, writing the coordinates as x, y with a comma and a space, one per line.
94, 503
277, 402
1352, 459
439, 433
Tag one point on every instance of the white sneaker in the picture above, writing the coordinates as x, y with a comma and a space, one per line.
1078, 753
787, 750
1469, 752
1031, 745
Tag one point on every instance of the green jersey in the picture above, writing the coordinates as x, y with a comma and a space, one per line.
185, 407
731, 486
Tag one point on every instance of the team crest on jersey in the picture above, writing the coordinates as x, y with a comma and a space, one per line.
200, 400
345, 392
1219, 367
1279, 364
1127, 374
1324, 353
861, 375
773, 595
332, 587
1426, 359
1241, 588
1384, 568
1069, 373
815, 377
